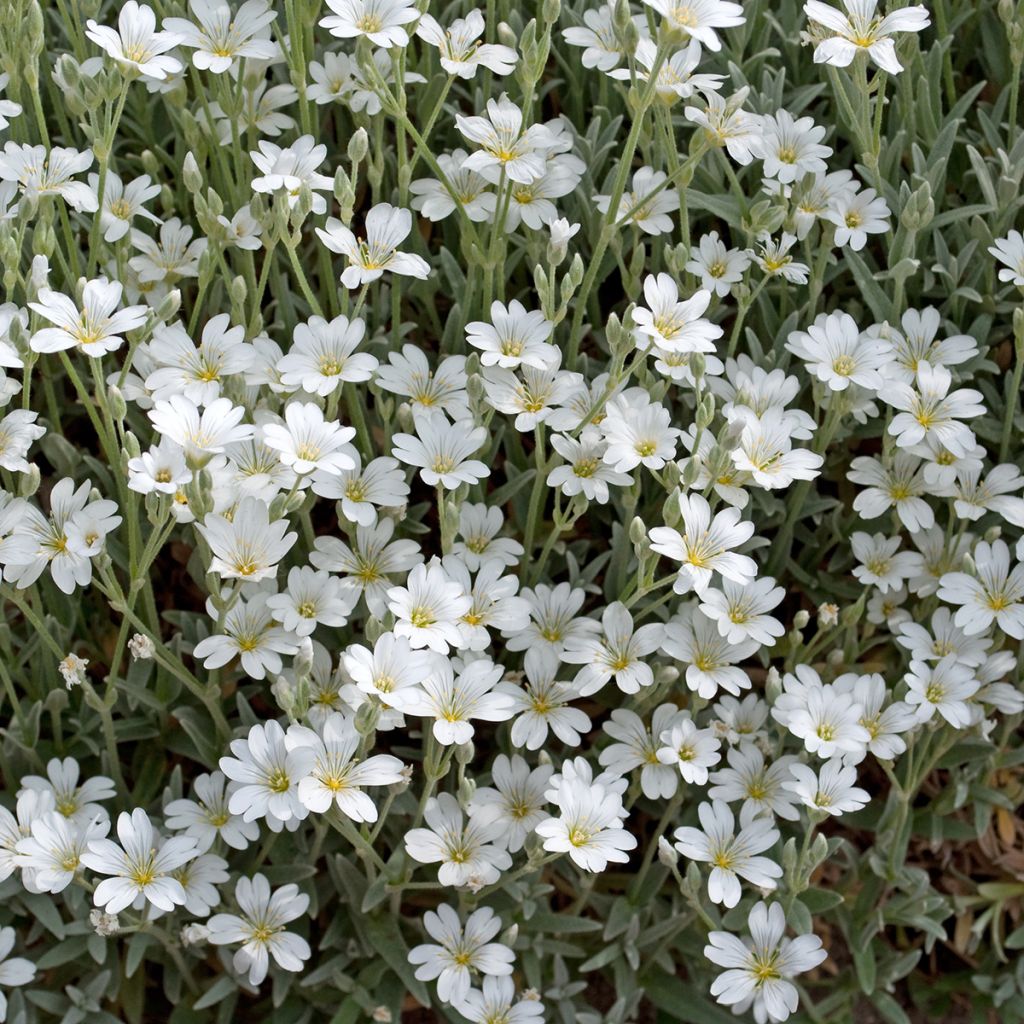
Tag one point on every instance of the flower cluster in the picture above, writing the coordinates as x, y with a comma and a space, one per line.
488, 500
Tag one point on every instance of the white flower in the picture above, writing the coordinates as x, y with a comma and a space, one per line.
616, 653
827, 719
711, 660
479, 526
494, 604
291, 169
208, 816
380, 21
308, 442
646, 203
676, 79
602, 46
454, 700
727, 125
542, 704
337, 776
774, 259
18, 432
121, 203
408, 373
41, 173
14, 970
459, 950
704, 546
361, 491
311, 598
174, 256
1010, 252
391, 666
33, 803
791, 147
386, 227
261, 928
72, 669
638, 432
732, 855
369, 562
554, 619
136, 43
251, 634
465, 850
741, 610
585, 471
201, 435
831, 790
96, 327
80, 802
161, 470
857, 215
589, 826
495, 1003
718, 266
469, 191
514, 337
323, 356
917, 344
243, 230
637, 746
52, 853
760, 786
765, 450
973, 497
675, 326
506, 150
65, 542
836, 352
8, 108
460, 52
223, 35
899, 483
861, 29
881, 561
198, 373
700, 18
930, 411
441, 450
268, 773
141, 865
944, 687
538, 396
759, 969
248, 546
945, 637
690, 749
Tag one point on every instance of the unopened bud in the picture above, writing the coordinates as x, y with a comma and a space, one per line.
191, 175
667, 853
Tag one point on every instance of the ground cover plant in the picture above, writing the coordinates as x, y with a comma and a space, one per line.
511, 514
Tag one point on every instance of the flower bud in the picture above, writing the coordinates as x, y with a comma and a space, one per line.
29, 481
667, 853
190, 173
367, 717
169, 306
